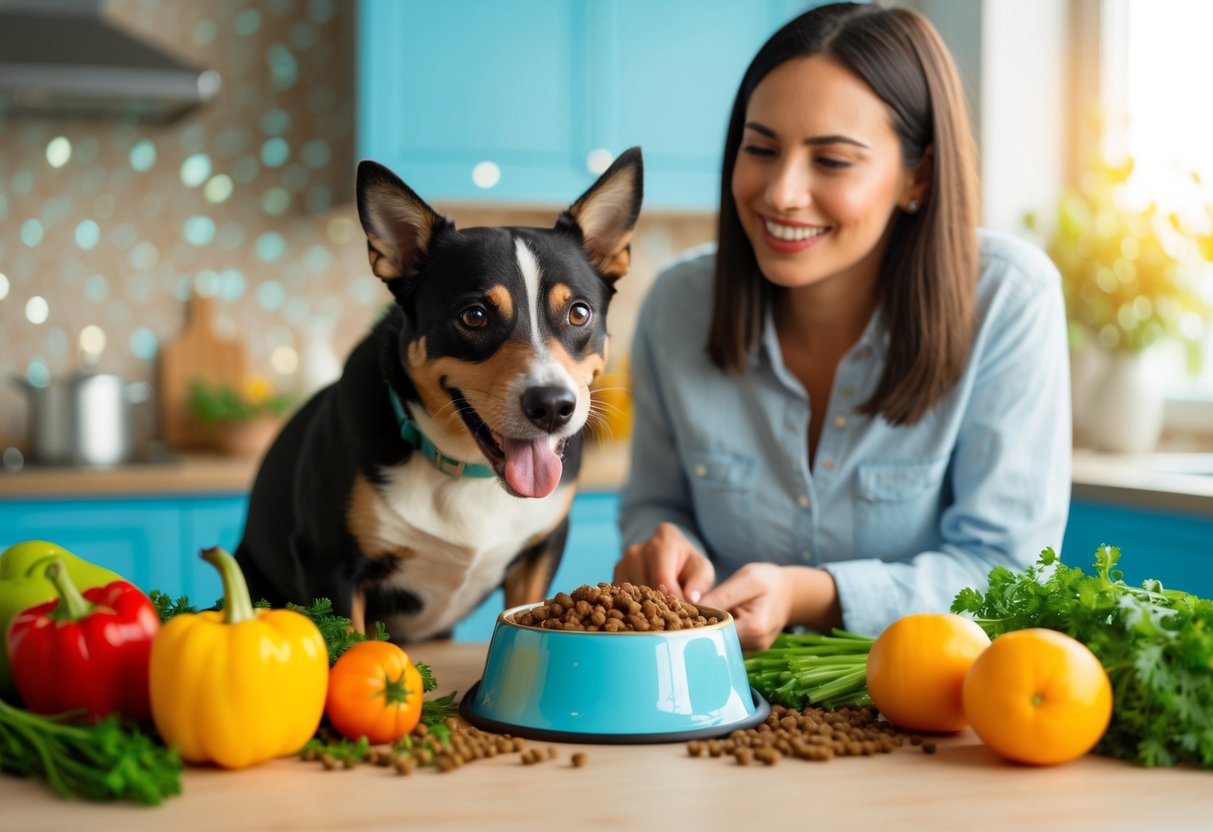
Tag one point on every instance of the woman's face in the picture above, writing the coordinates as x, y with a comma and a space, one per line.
818, 175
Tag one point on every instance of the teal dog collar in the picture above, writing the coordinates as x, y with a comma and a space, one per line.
411, 434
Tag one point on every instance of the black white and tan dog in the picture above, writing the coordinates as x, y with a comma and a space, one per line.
443, 463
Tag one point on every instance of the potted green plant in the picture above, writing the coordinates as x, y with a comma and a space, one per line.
1132, 279
244, 419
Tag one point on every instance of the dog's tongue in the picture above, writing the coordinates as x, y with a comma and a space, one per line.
531, 468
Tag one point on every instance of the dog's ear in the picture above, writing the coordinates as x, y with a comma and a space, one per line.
399, 225
607, 214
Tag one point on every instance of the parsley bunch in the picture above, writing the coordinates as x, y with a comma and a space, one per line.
1156, 645
106, 760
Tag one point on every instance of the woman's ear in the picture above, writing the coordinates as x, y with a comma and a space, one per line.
918, 185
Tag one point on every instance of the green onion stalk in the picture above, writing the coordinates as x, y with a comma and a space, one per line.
812, 669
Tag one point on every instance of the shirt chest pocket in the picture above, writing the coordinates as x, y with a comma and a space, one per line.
722, 487
898, 511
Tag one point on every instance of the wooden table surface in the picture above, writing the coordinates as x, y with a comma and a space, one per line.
962, 786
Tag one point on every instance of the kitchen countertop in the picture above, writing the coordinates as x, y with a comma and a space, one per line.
603, 468
963, 786
1168, 481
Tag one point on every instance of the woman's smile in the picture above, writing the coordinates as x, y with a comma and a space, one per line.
791, 237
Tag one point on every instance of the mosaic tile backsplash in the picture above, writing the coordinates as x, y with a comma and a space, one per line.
107, 227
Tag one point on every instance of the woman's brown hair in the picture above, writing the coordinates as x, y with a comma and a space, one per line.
928, 276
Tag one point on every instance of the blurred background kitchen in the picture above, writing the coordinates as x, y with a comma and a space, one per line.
181, 262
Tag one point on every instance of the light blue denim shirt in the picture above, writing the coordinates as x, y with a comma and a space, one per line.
902, 517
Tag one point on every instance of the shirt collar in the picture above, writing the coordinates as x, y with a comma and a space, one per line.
875, 338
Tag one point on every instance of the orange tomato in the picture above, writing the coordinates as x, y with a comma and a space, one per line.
374, 691
1038, 696
917, 667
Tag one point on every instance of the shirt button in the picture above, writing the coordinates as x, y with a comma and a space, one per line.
806, 554
803, 500
828, 464
865, 352
840, 421
701, 470
845, 392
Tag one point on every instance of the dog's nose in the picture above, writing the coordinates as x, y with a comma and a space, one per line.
549, 407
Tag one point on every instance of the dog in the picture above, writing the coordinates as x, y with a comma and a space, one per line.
443, 463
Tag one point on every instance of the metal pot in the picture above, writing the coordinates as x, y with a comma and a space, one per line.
83, 420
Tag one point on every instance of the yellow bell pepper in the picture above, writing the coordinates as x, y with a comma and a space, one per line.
241, 686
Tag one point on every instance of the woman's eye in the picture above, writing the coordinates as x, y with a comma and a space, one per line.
474, 317
580, 314
833, 164
755, 150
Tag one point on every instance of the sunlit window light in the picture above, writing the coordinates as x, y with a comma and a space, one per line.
1165, 126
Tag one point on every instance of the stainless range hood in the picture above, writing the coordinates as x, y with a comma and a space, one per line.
62, 58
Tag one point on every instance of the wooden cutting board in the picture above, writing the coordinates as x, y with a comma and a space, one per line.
199, 352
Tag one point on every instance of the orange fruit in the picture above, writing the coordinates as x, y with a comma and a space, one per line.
917, 667
1038, 696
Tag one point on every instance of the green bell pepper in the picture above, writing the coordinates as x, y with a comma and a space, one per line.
23, 584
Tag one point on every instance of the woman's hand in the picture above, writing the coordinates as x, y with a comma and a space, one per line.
667, 561
764, 598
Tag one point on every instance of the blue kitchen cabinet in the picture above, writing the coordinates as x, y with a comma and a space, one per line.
152, 542
155, 542
543, 89
590, 553
443, 87
139, 539
664, 78
209, 521
1173, 547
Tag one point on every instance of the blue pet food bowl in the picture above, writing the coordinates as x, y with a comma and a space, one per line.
627, 687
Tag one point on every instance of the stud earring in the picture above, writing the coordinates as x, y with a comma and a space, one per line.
912, 206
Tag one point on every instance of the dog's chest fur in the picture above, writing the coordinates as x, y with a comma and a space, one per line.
454, 536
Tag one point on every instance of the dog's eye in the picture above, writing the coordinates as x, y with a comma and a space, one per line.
474, 317
579, 314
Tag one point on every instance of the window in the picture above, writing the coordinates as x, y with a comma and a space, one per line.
1155, 69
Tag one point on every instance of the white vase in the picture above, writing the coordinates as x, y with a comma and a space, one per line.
1088, 365
1124, 409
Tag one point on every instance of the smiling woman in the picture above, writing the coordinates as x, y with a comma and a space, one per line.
881, 411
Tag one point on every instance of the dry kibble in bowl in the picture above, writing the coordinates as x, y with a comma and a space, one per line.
614, 608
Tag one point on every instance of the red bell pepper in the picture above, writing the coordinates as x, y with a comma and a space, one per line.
87, 651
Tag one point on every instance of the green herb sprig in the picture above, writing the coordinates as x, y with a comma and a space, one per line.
336, 630
167, 607
435, 711
812, 669
103, 761
328, 746
1156, 645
